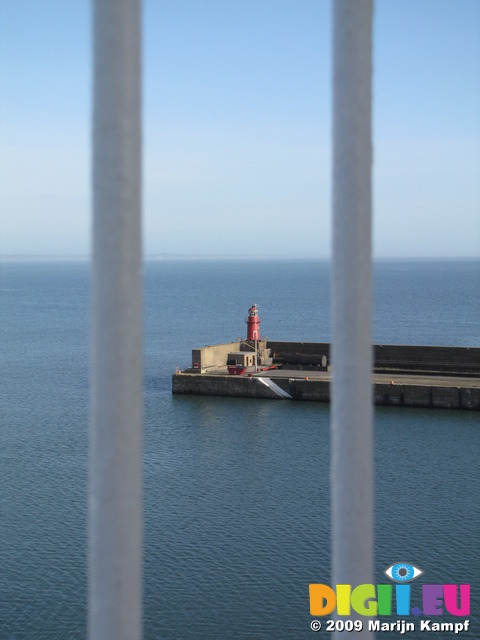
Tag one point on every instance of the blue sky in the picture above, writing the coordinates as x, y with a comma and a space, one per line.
237, 119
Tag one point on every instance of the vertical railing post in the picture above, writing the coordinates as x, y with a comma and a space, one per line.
115, 494
352, 410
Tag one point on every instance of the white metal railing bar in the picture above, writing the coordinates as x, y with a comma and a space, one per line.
352, 406
115, 494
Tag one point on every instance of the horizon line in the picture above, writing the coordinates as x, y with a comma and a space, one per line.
160, 257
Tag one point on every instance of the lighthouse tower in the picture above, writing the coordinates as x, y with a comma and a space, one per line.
253, 330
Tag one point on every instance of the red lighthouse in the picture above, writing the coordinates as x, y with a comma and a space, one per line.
253, 330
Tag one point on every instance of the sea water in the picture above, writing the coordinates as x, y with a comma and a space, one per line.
236, 492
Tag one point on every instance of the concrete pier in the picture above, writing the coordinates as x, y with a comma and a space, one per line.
405, 391
404, 376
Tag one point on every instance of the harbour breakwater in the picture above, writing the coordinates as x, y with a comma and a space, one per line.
403, 375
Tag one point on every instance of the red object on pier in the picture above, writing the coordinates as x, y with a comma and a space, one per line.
253, 330
236, 369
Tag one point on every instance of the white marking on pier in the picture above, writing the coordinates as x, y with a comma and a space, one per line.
278, 391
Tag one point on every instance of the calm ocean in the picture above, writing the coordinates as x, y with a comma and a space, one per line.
236, 491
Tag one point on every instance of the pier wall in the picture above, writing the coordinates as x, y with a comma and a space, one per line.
388, 358
220, 385
397, 395
445, 360
438, 377
213, 356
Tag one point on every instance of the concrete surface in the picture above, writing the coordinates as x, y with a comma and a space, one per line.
406, 390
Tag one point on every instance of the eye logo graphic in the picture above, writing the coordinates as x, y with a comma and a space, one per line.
403, 572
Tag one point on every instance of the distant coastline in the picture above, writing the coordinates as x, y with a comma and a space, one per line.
173, 257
